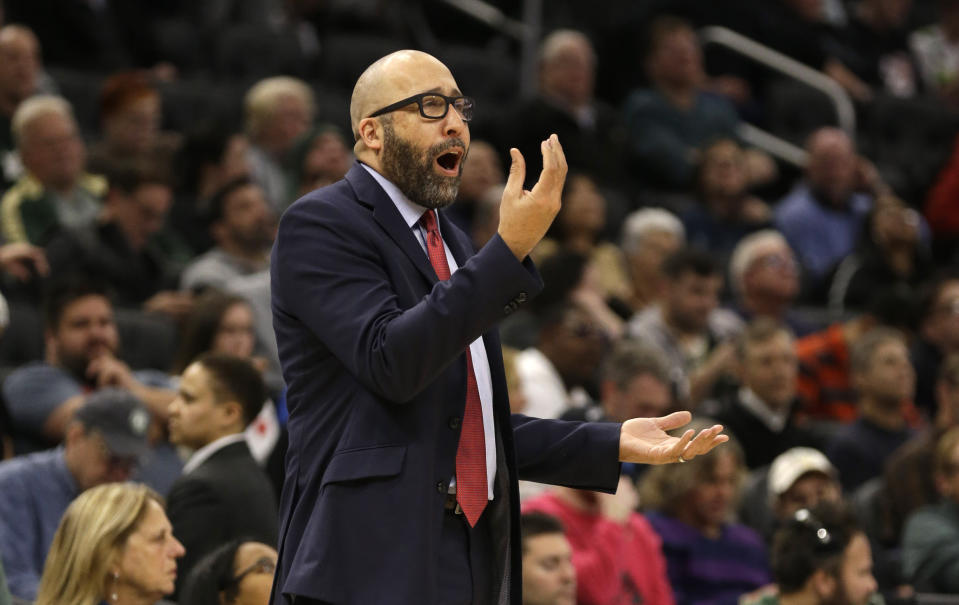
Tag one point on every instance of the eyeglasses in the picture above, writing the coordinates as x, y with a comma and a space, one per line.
263, 565
433, 106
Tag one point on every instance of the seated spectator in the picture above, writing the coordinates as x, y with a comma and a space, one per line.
565, 104
549, 577
122, 247
935, 48
930, 544
554, 373
687, 325
320, 158
874, 46
667, 124
223, 494
276, 112
884, 380
224, 323
825, 387
482, 172
820, 557
765, 279
81, 348
938, 335
649, 237
242, 225
211, 157
761, 413
114, 545
823, 214
723, 211
890, 251
909, 481
104, 440
577, 228
634, 383
131, 114
617, 555
20, 78
55, 192
709, 558
800, 477
238, 573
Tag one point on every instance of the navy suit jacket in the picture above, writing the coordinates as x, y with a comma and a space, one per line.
373, 352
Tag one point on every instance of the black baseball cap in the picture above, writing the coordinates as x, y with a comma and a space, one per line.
120, 418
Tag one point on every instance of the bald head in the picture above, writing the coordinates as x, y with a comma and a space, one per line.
391, 78
832, 168
19, 66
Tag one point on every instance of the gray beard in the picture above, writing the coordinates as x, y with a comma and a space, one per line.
412, 171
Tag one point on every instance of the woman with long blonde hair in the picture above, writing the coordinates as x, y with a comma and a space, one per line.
114, 545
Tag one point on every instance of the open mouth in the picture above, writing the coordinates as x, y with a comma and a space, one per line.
449, 162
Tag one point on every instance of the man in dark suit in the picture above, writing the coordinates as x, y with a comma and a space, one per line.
403, 462
223, 494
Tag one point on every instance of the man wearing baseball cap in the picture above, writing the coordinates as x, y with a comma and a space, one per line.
104, 442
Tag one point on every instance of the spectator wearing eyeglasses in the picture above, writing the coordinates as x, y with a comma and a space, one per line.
239, 572
820, 556
103, 443
930, 545
223, 493
764, 275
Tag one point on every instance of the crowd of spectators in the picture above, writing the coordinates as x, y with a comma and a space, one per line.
147, 151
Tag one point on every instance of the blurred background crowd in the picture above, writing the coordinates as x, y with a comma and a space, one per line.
760, 225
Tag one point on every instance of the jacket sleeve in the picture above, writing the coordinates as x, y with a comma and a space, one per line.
330, 272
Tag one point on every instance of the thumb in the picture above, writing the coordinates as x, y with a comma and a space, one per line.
517, 173
674, 420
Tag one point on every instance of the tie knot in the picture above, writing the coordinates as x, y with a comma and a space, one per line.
428, 220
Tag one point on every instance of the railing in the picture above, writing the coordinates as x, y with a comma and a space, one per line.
776, 61
526, 31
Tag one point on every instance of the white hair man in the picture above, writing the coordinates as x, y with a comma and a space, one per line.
764, 275
649, 236
55, 192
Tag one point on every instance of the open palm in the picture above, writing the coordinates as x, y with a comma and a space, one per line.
646, 441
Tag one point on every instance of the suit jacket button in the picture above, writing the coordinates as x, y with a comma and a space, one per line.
454, 422
441, 487
521, 297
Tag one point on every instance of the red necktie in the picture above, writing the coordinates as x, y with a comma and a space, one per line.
471, 486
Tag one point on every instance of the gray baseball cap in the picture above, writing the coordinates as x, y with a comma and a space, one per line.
120, 418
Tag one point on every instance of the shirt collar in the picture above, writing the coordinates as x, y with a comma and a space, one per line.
203, 454
774, 420
409, 210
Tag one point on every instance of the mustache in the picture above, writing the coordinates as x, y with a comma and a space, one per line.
445, 146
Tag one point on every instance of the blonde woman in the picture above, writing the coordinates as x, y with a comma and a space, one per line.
114, 545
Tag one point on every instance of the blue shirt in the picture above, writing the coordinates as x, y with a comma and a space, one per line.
35, 490
819, 234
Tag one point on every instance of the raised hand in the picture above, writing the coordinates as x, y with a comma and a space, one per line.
645, 440
524, 216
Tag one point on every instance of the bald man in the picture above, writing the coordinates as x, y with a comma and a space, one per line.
403, 462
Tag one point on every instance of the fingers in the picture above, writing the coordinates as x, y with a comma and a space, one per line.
674, 420
517, 173
554, 166
705, 441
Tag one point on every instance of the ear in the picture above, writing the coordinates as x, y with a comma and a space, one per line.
371, 133
74, 432
824, 584
233, 413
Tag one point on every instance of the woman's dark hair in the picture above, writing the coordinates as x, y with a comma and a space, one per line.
204, 146
211, 576
811, 540
201, 326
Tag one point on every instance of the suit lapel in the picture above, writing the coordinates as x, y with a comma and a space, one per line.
455, 239
369, 192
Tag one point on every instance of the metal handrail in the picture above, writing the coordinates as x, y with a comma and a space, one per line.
845, 112
526, 31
